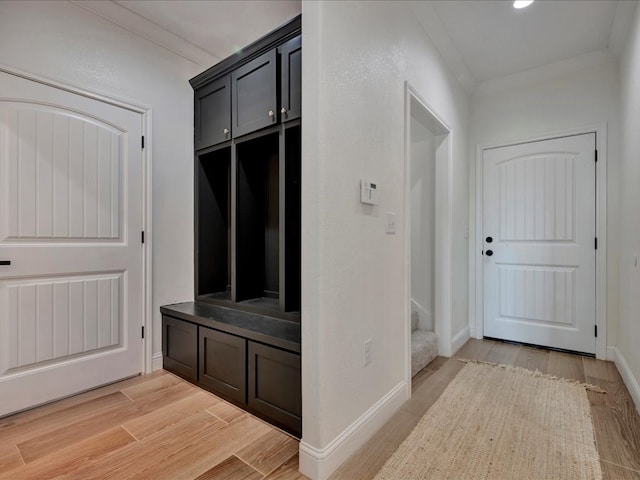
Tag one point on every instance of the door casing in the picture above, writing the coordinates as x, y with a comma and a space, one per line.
476, 282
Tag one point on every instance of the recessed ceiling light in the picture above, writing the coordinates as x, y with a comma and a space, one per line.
522, 3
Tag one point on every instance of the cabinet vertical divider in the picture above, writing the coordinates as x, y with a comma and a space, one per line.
234, 221
282, 218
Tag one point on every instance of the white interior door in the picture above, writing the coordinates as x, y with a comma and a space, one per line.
70, 222
539, 254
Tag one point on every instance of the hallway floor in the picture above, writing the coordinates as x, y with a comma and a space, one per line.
616, 421
155, 426
159, 426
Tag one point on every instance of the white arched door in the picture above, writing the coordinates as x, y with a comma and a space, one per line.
539, 224
71, 286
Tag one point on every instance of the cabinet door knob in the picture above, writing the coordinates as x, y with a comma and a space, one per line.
271, 114
226, 131
283, 111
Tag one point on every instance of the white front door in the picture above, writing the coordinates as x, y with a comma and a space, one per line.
70, 220
539, 232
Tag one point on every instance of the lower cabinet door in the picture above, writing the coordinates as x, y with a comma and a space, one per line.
275, 387
223, 364
180, 347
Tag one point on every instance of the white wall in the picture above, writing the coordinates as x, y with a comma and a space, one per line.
549, 101
423, 177
62, 41
357, 58
629, 326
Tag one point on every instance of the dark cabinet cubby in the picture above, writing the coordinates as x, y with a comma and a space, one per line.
213, 224
257, 232
290, 298
240, 338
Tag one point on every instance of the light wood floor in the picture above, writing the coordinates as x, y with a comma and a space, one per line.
160, 427
150, 427
616, 421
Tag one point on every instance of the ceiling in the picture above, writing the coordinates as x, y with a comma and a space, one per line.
481, 40
495, 39
219, 27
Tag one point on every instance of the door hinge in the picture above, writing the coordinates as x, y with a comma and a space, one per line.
142, 236
143, 331
596, 330
595, 243
596, 156
142, 141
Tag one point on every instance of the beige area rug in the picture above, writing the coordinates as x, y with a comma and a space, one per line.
500, 422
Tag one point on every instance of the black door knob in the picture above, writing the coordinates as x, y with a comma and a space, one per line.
489, 239
488, 253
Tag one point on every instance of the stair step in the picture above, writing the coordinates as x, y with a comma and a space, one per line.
424, 348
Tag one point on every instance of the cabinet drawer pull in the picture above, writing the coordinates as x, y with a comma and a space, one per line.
271, 113
283, 111
226, 131
5, 262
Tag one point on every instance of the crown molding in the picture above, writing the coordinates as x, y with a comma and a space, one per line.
544, 72
434, 28
138, 25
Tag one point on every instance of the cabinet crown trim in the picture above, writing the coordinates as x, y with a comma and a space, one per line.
274, 38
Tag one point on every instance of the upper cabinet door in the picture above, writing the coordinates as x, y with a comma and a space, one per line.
255, 95
291, 85
213, 113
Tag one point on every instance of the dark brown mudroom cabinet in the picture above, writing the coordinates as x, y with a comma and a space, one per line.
240, 337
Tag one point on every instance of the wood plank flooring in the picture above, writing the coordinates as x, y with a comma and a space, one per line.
152, 426
616, 421
161, 427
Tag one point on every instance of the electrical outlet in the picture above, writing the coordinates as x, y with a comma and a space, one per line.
367, 352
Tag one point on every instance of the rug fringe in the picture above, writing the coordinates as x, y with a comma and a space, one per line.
537, 374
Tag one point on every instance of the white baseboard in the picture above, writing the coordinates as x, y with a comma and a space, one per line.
320, 463
627, 375
156, 361
611, 354
460, 339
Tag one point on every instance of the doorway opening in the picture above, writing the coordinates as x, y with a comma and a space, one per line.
427, 234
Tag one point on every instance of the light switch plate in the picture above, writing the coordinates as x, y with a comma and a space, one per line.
391, 222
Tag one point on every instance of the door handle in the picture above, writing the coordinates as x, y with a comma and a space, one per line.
488, 253
5, 262
489, 239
